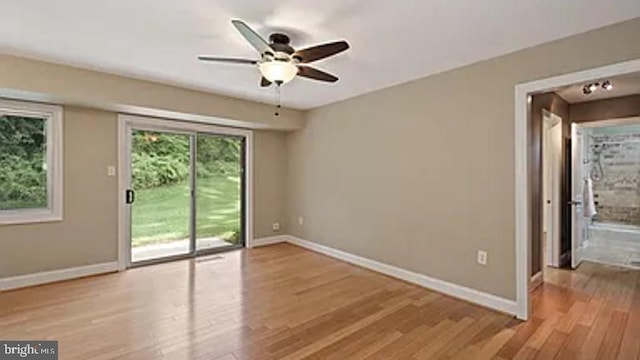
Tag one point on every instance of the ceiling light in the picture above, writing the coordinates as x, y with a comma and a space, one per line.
277, 71
593, 87
607, 85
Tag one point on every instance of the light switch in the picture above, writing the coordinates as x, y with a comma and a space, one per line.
111, 171
482, 257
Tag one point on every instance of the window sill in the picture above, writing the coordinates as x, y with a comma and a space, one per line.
29, 216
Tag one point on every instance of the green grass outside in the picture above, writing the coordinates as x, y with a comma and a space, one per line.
161, 214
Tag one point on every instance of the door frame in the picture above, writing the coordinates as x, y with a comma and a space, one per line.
577, 199
522, 199
125, 123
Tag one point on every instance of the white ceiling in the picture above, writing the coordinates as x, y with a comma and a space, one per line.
622, 86
392, 41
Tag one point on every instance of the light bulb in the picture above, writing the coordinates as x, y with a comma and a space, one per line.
607, 85
278, 71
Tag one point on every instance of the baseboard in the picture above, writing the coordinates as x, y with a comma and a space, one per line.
458, 291
536, 280
16, 282
454, 290
270, 240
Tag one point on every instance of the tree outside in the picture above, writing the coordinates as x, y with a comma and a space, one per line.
23, 168
161, 179
160, 174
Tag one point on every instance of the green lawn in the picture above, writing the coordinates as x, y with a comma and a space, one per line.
161, 214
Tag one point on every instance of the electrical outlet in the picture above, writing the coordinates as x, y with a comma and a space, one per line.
276, 226
111, 171
300, 220
482, 257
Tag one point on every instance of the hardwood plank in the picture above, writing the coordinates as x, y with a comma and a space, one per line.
520, 338
285, 302
489, 350
573, 343
630, 346
552, 345
611, 342
430, 351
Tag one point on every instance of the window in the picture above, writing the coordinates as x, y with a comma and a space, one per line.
30, 162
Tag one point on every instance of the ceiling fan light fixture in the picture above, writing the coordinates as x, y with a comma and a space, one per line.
279, 72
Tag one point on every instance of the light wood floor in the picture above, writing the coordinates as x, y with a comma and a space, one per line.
283, 302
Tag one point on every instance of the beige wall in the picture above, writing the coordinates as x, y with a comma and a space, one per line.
270, 176
421, 175
88, 233
47, 82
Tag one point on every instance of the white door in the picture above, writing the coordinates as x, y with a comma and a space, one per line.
577, 190
552, 173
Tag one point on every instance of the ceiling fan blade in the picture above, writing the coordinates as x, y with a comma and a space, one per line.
227, 60
264, 82
252, 37
318, 52
315, 74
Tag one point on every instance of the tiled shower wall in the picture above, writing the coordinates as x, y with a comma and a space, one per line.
614, 163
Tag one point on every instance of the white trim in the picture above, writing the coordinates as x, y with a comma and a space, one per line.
123, 210
125, 123
270, 240
522, 201
181, 125
457, 291
17, 282
248, 191
53, 115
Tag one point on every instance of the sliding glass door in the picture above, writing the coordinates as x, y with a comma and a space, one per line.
161, 195
186, 193
219, 184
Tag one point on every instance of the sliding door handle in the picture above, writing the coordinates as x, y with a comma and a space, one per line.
130, 196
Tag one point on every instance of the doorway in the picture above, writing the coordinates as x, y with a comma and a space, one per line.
185, 190
526, 171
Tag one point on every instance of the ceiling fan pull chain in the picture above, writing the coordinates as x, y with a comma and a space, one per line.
278, 99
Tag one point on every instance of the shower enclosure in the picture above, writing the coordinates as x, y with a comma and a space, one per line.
612, 162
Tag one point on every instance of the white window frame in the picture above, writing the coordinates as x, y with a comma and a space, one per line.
53, 115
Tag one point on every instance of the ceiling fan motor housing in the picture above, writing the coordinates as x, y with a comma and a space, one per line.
280, 42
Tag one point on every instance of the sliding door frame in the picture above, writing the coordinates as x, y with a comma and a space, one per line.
195, 188
126, 123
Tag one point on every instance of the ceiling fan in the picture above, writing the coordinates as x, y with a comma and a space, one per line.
279, 62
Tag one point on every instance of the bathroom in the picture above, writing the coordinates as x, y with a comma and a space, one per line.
611, 159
